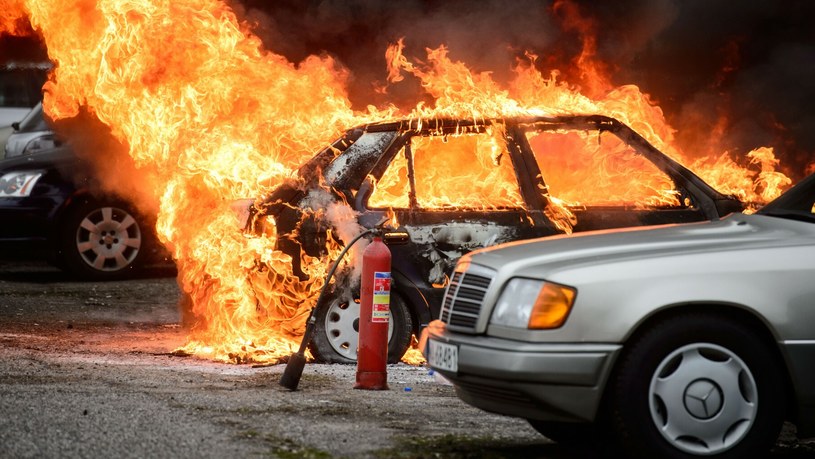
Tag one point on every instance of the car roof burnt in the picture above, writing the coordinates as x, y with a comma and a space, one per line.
431, 126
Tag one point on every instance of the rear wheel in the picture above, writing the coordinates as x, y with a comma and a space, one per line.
698, 385
100, 241
337, 330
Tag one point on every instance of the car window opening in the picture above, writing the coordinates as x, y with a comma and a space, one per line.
584, 170
450, 172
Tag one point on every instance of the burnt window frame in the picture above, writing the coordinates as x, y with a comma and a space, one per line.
681, 192
687, 183
440, 127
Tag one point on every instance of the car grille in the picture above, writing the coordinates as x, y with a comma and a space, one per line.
463, 299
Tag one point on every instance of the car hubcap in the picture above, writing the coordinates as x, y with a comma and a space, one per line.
342, 327
108, 239
703, 398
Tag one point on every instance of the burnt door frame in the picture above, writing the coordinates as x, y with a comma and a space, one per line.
415, 259
607, 217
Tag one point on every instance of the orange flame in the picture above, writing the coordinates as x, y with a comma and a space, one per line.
210, 117
12, 18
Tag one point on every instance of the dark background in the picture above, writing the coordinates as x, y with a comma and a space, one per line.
730, 75
744, 68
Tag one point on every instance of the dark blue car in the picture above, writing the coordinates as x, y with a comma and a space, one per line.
50, 207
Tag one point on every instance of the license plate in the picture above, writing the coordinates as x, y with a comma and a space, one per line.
443, 356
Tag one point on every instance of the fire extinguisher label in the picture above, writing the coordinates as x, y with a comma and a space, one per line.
380, 312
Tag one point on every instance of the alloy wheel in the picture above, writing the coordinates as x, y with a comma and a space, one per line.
108, 239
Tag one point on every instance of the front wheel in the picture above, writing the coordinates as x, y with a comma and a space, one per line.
100, 241
336, 332
697, 386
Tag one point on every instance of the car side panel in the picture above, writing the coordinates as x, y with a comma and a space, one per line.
27, 218
614, 298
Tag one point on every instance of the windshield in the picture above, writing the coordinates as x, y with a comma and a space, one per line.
797, 203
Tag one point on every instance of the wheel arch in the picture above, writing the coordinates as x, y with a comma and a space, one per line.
83, 197
79, 202
416, 302
76, 199
730, 311
58, 221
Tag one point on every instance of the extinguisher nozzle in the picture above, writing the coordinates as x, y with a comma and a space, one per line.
293, 372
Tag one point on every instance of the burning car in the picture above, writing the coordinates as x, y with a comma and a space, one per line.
684, 340
457, 185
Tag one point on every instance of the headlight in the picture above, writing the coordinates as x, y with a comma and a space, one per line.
534, 304
43, 142
18, 184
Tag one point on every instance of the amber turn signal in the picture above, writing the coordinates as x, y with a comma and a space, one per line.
552, 306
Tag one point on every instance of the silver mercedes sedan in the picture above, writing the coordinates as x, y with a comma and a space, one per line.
677, 341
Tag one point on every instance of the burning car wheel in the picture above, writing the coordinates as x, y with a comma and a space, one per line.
698, 386
337, 331
100, 241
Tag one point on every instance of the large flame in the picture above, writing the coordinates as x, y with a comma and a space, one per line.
209, 116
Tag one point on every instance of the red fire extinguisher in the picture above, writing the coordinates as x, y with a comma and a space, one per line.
374, 316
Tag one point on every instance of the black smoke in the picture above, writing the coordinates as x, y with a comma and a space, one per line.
752, 60
487, 35
21, 50
729, 75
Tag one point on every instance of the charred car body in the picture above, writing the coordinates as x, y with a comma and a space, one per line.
458, 185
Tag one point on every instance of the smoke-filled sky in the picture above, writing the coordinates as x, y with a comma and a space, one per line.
739, 71
749, 61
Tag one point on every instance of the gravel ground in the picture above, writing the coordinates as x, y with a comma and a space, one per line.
86, 370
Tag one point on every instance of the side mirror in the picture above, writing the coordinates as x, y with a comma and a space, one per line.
15, 125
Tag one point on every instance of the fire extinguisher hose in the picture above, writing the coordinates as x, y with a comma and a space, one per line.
297, 361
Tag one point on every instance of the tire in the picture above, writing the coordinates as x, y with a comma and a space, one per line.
101, 241
337, 330
697, 385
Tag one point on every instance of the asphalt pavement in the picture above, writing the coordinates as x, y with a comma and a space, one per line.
88, 370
